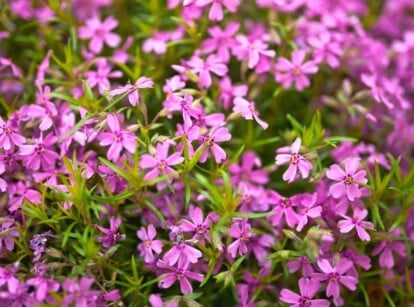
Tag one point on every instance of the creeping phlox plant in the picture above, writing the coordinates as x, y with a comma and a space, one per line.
206, 153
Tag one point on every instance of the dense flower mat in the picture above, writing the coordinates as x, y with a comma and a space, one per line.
206, 153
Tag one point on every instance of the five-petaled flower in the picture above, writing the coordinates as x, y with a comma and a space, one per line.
308, 288
248, 111
356, 222
148, 245
117, 139
161, 163
131, 89
348, 179
296, 161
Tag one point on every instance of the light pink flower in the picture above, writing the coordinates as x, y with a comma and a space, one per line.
9, 136
100, 32
221, 41
101, 76
160, 163
117, 139
248, 111
335, 275
216, 135
356, 222
182, 252
240, 229
149, 245
295, 71
181, 273
295, 160
348, 179
308, 208
39, 154
308, 288
203, 69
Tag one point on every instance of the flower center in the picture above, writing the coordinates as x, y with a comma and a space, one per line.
244, 238
147, 243
297, 71
200, 229
40, 148
348, 179
8, 130
294, 159
333, 276
162, 165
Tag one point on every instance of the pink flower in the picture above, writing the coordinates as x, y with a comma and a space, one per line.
248, 111
111, 235
283, 207
256, 51
387, 248
221, 41
149, 245
295, 71
197, 225
131, 89
39, 154
216, 10
295, 160
246, 174
161, 163
240, 229
356, 222
228, 91
117, 139
216, 135
308, 288
203, 69
101, 77
182, 252
348, 179
100, 33
79, 292
335, 275
8, 136
308, 208
181, 273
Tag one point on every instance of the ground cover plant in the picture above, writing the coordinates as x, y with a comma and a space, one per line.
206, 152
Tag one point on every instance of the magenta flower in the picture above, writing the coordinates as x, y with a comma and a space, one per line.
216, 10
203, 69
131, 89
308, 208
335, 275
180, 273
117, 139
303, 263
149, 245
356, 222
100, 33
221, 41
295, 71
228, 91
246, 174
197, 225
42, 284
255, 50
283, 208
8, 136
308, 288
216, 135
248, 111
387, 248
296, 161
326, 49
101, 76
161, 163
7, 276
39, 155
240, 229
18, 193
79, 293
348, 179
111, 234
8, 230
182, 252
